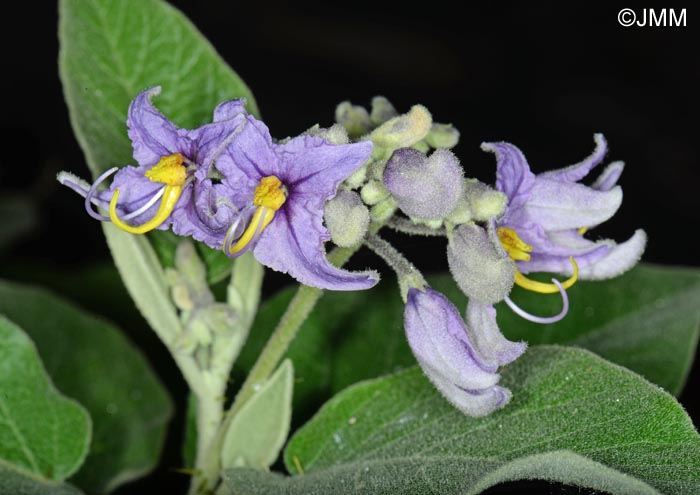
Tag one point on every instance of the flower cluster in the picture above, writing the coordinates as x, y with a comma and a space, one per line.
230, 185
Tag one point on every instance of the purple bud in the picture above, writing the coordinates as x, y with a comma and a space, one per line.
439, 340
428, 188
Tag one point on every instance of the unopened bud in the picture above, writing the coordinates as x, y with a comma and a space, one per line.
382, 110
373, 192
405, 130
335, 134
479, 264
353, 118
484, 201
428, 188
347, 218
442, 136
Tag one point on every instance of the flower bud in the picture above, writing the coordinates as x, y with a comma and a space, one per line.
335, 134
427, 188
347, 218
484, 201
404, 130
442, 136
353, 118
440, 341
373, 192
479, 264
382, 110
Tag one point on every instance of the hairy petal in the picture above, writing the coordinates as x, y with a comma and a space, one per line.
293, 243
575, 173
513, 175
311, 166
152, 134
561, 205
487, 338
609, 176
207, 212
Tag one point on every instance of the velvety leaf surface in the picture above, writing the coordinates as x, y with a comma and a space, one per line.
16, 483
258, 432
42, 433
91, 361
574, 418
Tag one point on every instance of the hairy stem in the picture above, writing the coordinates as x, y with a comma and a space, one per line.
298, 310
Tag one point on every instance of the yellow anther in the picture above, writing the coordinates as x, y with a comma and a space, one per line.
544, 288
262, 214
270, 193
170, 196
169, 170
516, 248
582, 230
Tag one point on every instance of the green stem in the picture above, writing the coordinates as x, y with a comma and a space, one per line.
298, 310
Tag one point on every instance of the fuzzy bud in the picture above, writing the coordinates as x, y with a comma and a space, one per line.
336, 134
427, 188
484, 201
353, 118
347, 218
373, 192
479, 264
405, 130
382, 110
442, 136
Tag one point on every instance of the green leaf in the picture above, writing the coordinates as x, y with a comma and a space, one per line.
129, 406
16, 483
647, 320
258, 432
42, 433
574, 418
113, 49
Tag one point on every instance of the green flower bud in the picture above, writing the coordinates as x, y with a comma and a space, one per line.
403, 131
373, 192
347, 218
484, 201
382, 110
336, 134
442, 136
353, 118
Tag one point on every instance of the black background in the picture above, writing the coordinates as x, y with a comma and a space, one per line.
544, 77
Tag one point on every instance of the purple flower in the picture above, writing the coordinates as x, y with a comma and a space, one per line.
547, 214
460, 361
171, 185
280, 190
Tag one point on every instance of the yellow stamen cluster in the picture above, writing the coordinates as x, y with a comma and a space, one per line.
269, 196
518, 250
270, 193
171, 171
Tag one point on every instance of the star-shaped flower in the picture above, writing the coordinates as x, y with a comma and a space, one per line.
280, 190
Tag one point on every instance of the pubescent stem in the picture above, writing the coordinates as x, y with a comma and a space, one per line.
298, 310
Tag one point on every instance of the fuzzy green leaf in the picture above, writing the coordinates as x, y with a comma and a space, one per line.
42, 433
258, 432
574, 418
129, 406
